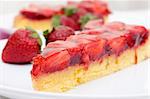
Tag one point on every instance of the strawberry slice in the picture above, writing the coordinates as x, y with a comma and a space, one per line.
61, 44
54, 62
95, 50
57, 61
73, 49
21, 47
87, 43
119, 26
138, 35
117, 45
38, 64
78, 39
93, 24
67, 21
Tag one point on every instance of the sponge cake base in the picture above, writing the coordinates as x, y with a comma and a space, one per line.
22, 22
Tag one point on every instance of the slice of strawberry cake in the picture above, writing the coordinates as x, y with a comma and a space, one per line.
89, 55
35, 16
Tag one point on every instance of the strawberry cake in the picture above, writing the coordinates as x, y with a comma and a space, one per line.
74, 15
89, 55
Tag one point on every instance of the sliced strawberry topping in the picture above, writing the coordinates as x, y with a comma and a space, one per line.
67, 21
95, 50
90, 45
76, 56
93, 31
117, 45
119, 26
78, 39
38, 64
93, 24
54, 62
97, 7
61, 44
38, 12
73, 49
57, 61
139, 34
50, 51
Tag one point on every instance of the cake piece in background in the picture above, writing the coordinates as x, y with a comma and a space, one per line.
74, 15
35, 16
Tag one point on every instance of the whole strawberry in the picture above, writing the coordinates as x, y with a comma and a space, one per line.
58, 33
22, 46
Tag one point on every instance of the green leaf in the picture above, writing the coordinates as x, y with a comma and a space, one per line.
34, 34
70, 10
39, 41
46, 32
56, 20
84, 19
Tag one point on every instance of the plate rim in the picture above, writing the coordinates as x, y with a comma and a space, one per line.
6, 89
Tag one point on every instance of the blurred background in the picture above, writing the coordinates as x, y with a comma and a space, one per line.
128, 11
10, 6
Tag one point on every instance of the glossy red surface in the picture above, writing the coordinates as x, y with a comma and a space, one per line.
92, 45
59, 33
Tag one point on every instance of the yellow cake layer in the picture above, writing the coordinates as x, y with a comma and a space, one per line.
72, 76
22, 22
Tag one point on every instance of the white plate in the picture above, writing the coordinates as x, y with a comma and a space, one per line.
130, 83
